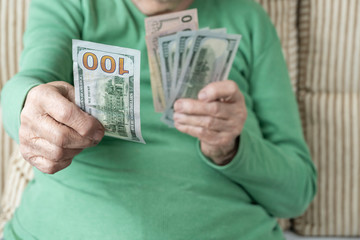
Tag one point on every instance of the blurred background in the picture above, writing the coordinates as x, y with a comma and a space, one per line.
321, 43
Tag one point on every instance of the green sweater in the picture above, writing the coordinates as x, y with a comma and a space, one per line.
166, 189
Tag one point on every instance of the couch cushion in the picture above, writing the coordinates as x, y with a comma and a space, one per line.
329, 97
12, 15
20, 174
12, 24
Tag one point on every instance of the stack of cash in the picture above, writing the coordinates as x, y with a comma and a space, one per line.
184, 61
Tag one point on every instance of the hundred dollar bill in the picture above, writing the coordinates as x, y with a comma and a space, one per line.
107, 86
156, 27
169, 57
167, 51
209, 60
183, 43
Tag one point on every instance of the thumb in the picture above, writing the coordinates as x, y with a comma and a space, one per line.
226, 90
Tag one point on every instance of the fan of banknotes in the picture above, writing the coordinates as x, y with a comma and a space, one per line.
183, 59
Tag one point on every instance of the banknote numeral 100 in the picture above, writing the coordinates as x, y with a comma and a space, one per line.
103, 61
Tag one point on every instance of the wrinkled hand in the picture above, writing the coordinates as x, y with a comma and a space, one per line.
53, 129
216, 119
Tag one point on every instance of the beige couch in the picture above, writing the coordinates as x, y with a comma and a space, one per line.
321, 42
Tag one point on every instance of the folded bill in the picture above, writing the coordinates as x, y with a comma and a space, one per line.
107, 86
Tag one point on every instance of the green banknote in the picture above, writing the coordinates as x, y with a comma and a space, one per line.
167, 51
159, 26
107, 86
209, 60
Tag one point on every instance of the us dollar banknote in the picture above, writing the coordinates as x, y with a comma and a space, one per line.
167, 51
209, 60
107, 86
158, 26
182, 43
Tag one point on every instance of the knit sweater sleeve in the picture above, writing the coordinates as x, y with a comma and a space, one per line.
276, 168
46, 57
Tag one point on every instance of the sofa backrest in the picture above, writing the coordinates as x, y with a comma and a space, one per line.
12, 24
329, 100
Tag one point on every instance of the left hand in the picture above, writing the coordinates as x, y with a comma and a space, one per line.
216, 119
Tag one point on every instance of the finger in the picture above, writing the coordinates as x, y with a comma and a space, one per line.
41, 147
61, 135
66, 112
48, 166
208, 136
227, 90
195, 107
211, 123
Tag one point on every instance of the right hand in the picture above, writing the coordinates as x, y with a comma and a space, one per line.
54, 129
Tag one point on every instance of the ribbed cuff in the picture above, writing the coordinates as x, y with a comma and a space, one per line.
236, 162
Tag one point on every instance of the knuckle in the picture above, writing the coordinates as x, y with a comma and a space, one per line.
223, 141
60, 138
25, 153
227, 141
215, 109
187, 106
65, 114
86, 127
203, 132
67, 163
49, 168
210, 123
33, 92
57, 154
36, 161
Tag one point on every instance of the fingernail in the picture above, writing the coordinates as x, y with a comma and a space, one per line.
98, 135
178, 106
202, 95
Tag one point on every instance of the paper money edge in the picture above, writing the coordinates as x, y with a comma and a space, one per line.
165, 16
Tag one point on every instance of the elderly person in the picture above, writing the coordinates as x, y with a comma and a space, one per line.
227, 171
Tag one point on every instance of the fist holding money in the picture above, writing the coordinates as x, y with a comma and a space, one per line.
216, 118
53, 129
